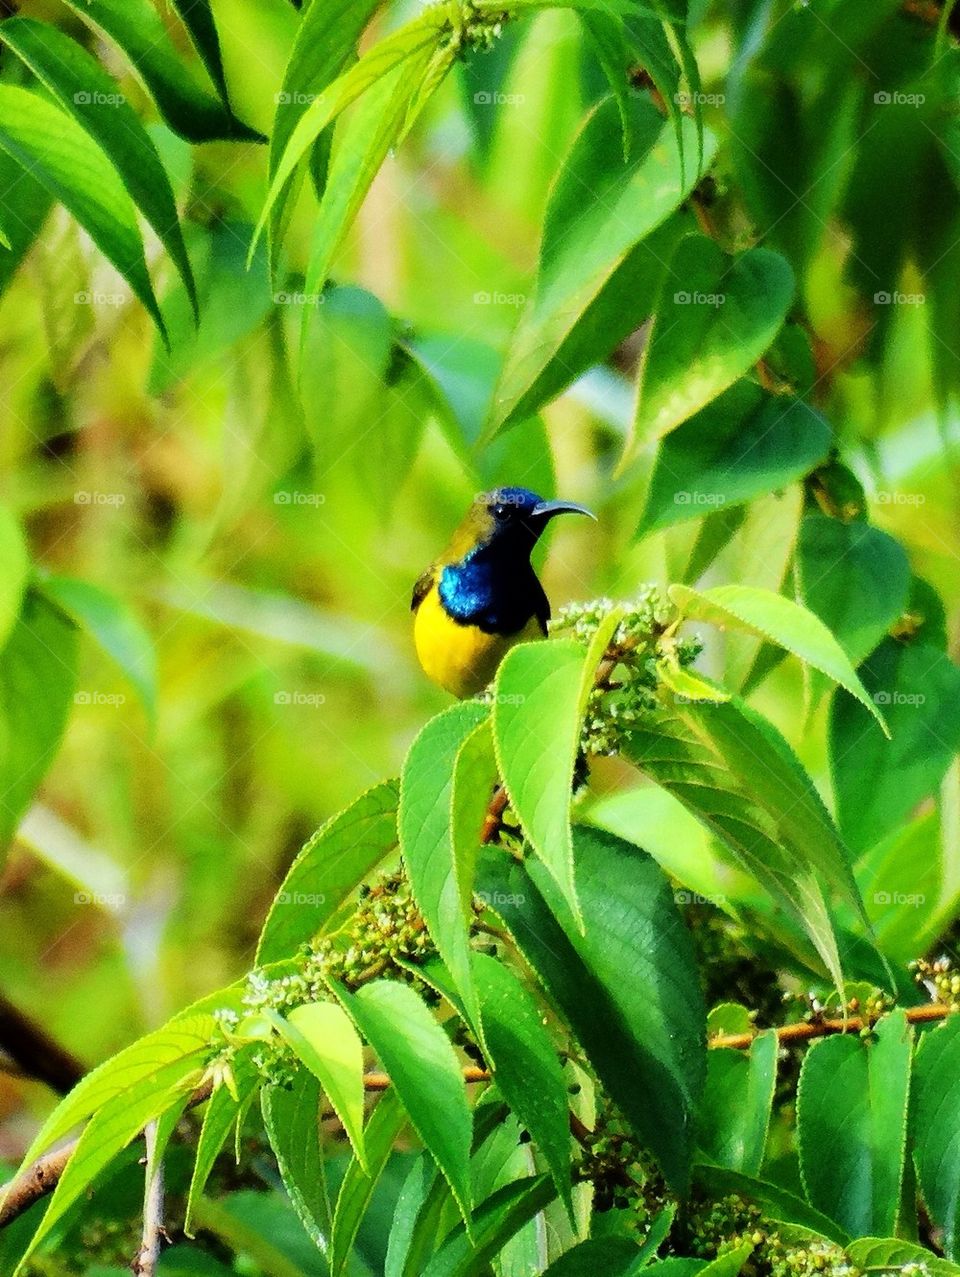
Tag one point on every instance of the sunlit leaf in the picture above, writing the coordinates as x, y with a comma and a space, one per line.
66, 160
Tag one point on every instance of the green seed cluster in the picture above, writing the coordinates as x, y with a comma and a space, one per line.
625, 1179
940, 979
627, 691
472, 29
386, 930
646, 617
719, 1226
622, 1173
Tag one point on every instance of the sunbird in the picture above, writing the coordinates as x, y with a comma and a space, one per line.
481, 596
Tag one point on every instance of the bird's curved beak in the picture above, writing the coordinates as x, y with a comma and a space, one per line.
547, 509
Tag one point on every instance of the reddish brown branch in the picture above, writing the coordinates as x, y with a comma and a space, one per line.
807, 1030
42, 1177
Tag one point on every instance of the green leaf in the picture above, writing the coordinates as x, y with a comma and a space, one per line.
326, 39
360, 146
678, 842
183, 1037
879, 782
735, 1109
111, 1129
332, 865
624, 44
525, 1065
444, 791
197, 17
778, 620
324, 1039
70, 164
539, 367
356, 1189
385, 63
37, 675
611, 1256
729, 1017
421, 1179
776, 1202
292, 1118
16, 565
219, 1116
715, 318
878, 1254
854, 1174
744, 444
540, 699
24, 205
92, 97
935, 1128
114, 627
854, 577
136, 28
424, 1070
586, 242
735, 772
496, 1220
426, 1206
612, 980
234, 302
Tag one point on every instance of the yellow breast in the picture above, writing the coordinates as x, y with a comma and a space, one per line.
461, 658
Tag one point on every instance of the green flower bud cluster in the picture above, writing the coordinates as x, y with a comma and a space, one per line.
940, 979
471, 28
627, 689
622, 1173
859, 999
718, 1226
646, 617
386, 930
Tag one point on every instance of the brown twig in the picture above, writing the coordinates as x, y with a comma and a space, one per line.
493, 820
807, 1030
42, 1177
36, 1053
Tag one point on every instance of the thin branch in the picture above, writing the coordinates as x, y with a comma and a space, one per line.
148, 1256
380, 1081
807, 1030
35, 1052
42, 1177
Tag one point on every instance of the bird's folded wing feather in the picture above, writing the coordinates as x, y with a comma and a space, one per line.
422, 586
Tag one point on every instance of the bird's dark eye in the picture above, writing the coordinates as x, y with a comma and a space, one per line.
499, 510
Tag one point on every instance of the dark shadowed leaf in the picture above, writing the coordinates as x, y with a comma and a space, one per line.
856, 1178
633, 957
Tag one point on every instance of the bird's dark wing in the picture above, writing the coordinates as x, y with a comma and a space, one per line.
422, 586
541, 607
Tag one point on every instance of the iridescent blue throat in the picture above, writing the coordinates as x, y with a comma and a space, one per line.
490, 589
